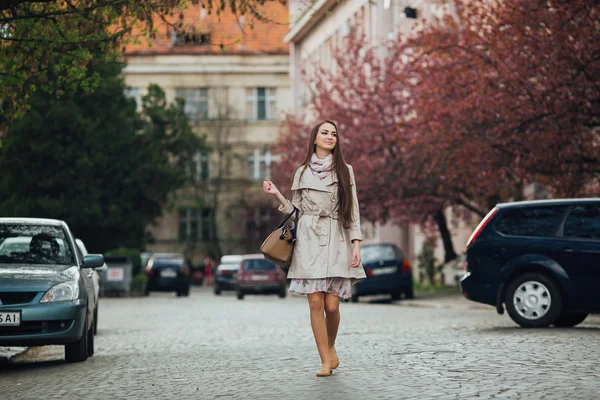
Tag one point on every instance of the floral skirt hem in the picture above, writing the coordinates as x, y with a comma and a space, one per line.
341, 287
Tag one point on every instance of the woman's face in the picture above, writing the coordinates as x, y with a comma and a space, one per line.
326, 137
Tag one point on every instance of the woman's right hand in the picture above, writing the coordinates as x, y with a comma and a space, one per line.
270, 188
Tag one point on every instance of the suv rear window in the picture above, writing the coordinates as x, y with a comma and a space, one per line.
531, 221
253, 265
583, 222
168, 263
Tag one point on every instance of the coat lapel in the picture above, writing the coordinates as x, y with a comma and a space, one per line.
309, 181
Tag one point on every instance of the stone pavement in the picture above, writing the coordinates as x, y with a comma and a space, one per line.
217, 347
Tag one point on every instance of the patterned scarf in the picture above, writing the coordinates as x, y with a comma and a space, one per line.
322, 168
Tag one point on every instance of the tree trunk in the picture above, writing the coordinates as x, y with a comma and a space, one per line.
216, 242
440, 219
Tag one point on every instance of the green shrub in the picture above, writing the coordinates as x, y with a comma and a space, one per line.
132, 254
138, 283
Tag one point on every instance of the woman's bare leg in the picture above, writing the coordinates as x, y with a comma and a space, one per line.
316, 303
332, 313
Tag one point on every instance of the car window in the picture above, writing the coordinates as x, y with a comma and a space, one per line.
168, 263
253, 265
229, 266
583, 222
531, 221
34, 244
379, 253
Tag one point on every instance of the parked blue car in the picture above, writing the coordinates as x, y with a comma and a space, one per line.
46, 290
539, 259
388, 272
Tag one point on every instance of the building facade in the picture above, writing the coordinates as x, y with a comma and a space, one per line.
320, 26
234, 78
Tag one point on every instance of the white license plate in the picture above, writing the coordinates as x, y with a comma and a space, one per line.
10, 318
385, 270
168, 273
115, 274
259, 277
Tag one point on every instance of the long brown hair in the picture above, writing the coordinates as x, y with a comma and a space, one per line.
341, 170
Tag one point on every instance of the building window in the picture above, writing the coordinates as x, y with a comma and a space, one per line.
259, 221
259, 163
198, 169
261, 103
134, 93
196, 102
195, 224
539, 192
189, 38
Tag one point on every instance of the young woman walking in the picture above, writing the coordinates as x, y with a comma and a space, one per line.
326, 260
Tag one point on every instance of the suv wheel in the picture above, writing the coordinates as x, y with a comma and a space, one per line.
570, 319
533, 300
240, 295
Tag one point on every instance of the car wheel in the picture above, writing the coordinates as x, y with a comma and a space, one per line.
397, 295
533, 300
354, 297
409, 294
179, 294
78, 351
217, 290
283, 292
96, 319
570, 319
240, 295
90, 343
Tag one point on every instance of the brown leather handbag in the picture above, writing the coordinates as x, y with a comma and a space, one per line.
279, 246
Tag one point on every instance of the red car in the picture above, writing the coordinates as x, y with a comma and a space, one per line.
259, 276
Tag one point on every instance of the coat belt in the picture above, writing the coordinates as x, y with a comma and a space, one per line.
322, 225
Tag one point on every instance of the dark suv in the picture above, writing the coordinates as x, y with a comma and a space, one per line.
168, 272
541, 259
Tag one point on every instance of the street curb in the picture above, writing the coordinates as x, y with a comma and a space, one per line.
446, 301
8, 353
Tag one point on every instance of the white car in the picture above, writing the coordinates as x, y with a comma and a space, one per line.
95, 280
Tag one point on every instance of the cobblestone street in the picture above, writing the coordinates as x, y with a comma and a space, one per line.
209, 347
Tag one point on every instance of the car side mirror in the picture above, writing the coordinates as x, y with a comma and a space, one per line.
93, 261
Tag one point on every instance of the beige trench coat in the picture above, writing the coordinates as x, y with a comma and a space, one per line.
322, 250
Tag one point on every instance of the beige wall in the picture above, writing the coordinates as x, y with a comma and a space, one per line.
227, 77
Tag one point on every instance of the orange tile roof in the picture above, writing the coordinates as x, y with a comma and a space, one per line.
226, 34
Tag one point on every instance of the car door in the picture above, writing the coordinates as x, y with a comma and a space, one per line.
580, 243
87, 273
95, 277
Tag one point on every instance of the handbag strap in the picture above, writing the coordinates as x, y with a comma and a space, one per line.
293, 230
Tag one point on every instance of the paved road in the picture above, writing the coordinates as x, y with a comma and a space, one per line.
208, 347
